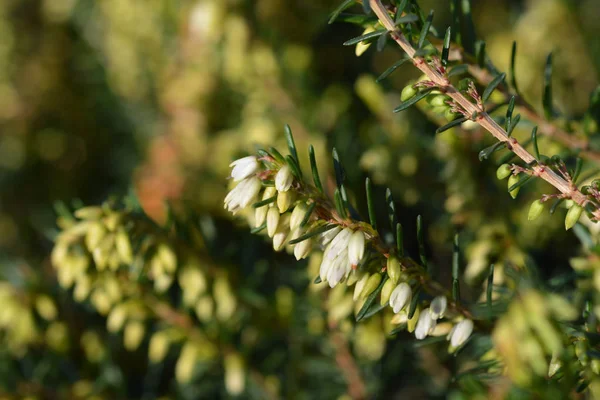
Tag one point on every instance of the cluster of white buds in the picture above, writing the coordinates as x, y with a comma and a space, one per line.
283, 204
281, 212
344, 248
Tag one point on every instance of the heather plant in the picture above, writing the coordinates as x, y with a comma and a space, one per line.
384, 207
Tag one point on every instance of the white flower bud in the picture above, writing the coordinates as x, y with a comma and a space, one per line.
279, 238
360, 285
327, 237
324, 268
243, 168
356, 247
243, 194
425, 325
284, 179
284, 200
461, 332
302, 249
438, 307
260, 215
272, 221
400, 297
338, 245
298, 215
340, 267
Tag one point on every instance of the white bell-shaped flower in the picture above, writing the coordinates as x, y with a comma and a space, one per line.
243, 168
284, 179
243, 194
438, 307
400, 297
356, 247
460, 332
425, 325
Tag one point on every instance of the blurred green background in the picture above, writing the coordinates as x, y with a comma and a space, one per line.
157, 97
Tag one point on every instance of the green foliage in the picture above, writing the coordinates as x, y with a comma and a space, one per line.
361, 253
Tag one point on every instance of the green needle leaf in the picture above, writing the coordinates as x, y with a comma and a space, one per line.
511, 71
400, 10
313, 167
492, 86
425, 29
547, 96
509, 112
339, 203
469, 27
292, 146
405, 19
446, 48
367, 36
413, 100
413, 303
314, 232
513, 124
277, 155
488, 151
370, 203
391, 69
308, 214
520, 182
536, 151
265, 202
421, 240
337, 166
458, 70
399, 240
451, 124
455, 269
346, 4
480, 53
578, 165
391, 208
259, 228
490, 287
363, 311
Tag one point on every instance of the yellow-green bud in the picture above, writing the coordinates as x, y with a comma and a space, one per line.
573, 216
511, 181
439, 101
284, 200
158, 347
167, 257
386, 291
235, 374
133, 335
92, 212
408, 92
503, 171
440, 110
372, 283
45, 307
450, 115
393, 269
535, 210
412, 323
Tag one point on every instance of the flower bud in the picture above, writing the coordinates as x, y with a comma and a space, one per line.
260, 215
360, 285
167, 257
438, 101
284, 179
272, 221
535, 210
425, 325
408, 93
91, 212
45, 307
302, 249
116, 318
284, 200
573, 216
511, 181
400, 297
362, 46
386, 291
372, 283
298, 215
356, 248
461, 332
438, 307
133, 335
158, 347
503, 171
243, 167
393, 269
280, 236
235, 375
450, 115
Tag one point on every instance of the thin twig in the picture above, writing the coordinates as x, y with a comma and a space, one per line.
481, 117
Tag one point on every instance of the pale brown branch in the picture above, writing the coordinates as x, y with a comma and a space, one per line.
482, 118
347, 364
